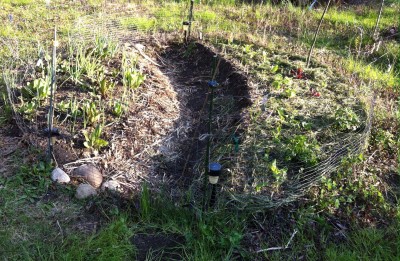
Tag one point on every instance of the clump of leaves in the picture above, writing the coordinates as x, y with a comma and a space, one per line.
28, 109
104, 48
346, 119
133, 78
280, 81
90, 113
93, 140
118, 108
277, 173
38, 88
62, 106
105, 87
302, 149
289, 93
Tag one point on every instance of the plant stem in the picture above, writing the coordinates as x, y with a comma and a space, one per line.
316, 33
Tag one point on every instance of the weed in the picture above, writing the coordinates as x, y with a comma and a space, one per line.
33, 179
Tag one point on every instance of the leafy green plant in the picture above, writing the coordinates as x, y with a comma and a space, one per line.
302, 149
105, 48
278, 174
91, 114
39, 88
28, 109
346, 119
62, 106
118, 108
105, 87
6, 109
279, 81
82, 63
133, 78
289, 93
93, 140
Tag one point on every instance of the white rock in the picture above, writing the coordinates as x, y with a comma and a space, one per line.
111, 185
59, 176
85, 191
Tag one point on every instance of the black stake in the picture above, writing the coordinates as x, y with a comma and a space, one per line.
51, 109
190, 18
211, 86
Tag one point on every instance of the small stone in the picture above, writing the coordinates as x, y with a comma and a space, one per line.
91, 174
59, 176
111, 185
84, 191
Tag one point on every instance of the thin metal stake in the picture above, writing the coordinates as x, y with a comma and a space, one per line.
212, 85
52, 88
190, 18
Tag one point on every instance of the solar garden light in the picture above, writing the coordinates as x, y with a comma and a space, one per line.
214, 171
185, 25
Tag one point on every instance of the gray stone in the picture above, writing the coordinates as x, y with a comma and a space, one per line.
111, 185
84, 191
59, 176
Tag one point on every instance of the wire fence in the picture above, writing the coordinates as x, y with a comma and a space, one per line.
128, 26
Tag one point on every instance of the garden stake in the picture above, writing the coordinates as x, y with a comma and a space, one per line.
375, 34
190, 18
316, 33
50, 131
212, 85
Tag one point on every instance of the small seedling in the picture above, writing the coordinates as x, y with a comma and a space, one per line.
278, 174
118, 108
90, 113
93, 140
133, 78
105, 87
